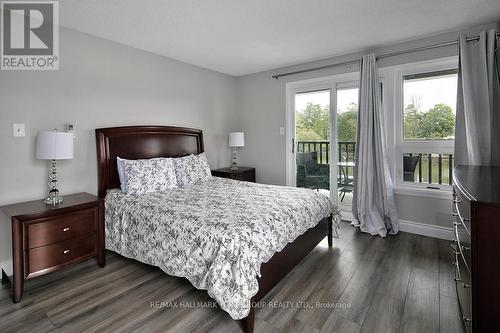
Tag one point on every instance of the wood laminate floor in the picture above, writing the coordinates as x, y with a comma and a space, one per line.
403, 283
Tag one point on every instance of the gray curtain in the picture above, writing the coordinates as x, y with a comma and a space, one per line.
373, 200
477, 132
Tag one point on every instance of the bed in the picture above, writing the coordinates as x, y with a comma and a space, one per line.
234, 239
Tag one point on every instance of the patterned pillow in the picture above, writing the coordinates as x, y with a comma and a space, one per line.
149, 175
191, 169
202, 167
185, 170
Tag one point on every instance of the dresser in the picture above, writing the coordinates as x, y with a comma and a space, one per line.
242, 173
48, 237
476, 246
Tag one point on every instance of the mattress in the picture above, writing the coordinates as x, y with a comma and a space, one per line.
215, 233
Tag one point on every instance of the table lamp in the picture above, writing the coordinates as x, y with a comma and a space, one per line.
54, 145
236, 139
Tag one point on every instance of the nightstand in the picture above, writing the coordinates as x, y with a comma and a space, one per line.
48, 237
243, 173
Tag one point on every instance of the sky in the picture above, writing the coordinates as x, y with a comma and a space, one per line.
345, 97
431, 92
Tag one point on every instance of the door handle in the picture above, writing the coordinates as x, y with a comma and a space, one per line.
293, 145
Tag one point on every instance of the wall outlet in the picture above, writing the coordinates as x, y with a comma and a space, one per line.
19, 130
282, 131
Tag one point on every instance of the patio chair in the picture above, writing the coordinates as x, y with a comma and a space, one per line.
310, 173
345, 184
409, 166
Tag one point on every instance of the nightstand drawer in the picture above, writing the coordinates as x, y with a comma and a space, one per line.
242, 173
248, 177
41, 259
59, 228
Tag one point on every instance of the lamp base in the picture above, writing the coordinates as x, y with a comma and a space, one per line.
53, 197
53, 200
234, 165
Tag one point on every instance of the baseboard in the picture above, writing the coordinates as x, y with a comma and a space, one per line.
411, 227
7, 267
423, 229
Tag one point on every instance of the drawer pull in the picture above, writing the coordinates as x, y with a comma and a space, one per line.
66, 251
66, 229
466, 248
465, 285
457, 214
457, 280
457, 201
466, 318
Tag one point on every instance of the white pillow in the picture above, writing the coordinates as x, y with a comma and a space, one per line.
149, 175
121, 174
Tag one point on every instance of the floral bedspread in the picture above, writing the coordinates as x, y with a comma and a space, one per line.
215, 233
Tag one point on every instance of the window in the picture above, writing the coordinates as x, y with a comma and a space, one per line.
429, 106
426, 124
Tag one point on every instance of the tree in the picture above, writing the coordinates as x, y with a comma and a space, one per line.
412, 121
438, 122
312, 124
347, 123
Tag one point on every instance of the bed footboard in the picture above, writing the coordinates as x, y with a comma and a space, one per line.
283, 262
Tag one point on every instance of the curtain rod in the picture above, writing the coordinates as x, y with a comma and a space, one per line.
382, 56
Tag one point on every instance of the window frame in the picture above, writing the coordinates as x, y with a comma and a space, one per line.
402, 146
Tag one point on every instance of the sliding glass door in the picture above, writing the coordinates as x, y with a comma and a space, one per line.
321, 135
347, 122
312, 140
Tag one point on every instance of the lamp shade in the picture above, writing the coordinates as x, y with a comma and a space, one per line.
52, 145
236, 139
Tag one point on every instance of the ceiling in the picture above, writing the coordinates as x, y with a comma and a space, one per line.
240, 37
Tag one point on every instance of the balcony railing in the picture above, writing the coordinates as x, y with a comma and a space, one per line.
430, 168
346, 150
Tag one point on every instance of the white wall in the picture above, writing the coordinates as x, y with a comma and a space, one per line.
262, 111
100, 84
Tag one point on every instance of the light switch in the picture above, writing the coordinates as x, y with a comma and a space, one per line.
282, 131
19, 130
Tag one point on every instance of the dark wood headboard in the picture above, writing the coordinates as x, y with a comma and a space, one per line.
135, 142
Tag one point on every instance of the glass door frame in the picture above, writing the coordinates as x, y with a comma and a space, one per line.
342, 85
330, 83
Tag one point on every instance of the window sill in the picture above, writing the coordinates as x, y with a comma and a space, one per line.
424, 192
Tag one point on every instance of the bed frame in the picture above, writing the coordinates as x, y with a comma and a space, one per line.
134, 142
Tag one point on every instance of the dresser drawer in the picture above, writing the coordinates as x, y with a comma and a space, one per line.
461, 208
41, 259
61, 227
463, 244
464, 292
